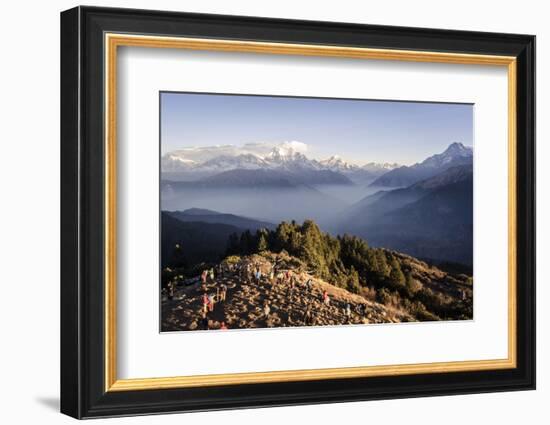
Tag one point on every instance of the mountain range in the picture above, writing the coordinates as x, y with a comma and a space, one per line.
424, 210
432, 218
206, 231
288, 157
455, 154
209, 216
201, 241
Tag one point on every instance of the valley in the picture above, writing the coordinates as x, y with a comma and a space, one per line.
430, 217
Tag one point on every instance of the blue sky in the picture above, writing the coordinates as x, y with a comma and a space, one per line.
359, 131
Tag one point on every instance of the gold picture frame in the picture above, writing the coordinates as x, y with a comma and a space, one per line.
114, 41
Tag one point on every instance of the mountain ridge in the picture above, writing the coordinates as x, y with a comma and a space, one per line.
454, 155
209, 216
288, 156
431, 218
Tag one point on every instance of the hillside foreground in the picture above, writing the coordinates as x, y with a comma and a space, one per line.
291, 296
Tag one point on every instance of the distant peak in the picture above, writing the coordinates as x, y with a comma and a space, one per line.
200, 211
457, 147
334, 159
285, 153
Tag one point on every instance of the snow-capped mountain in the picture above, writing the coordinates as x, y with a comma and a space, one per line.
286, 156
380, 167
360, 174
289, 159
172, 162
248, 157
227, 162
452, 153
455, 154
336, 163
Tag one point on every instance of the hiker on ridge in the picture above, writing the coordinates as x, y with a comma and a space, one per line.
204, 303
171, 286
258, 275
348, 311
307, 316
223, 292
326, 298
248, 273
211, 302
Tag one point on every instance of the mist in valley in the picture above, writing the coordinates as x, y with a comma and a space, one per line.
321, 203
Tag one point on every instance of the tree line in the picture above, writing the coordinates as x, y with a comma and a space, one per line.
349, 262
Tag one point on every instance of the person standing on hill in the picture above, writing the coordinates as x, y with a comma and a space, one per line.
267, 309
248, 273
290, 287
326, 298
307, 316
171, 286
211, 302
258, 275
223, 292
204, 303
347, 311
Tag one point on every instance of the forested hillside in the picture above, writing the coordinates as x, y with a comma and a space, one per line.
418, 290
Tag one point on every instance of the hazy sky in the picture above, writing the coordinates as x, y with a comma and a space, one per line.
357, 130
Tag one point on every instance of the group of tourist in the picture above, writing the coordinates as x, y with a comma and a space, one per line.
209, 302
255, 273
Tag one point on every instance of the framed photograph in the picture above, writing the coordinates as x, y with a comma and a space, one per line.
261, 212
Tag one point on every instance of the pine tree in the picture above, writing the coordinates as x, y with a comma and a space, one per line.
353, 281
246, 243
233, 244
396, 276
262, 240
413, 285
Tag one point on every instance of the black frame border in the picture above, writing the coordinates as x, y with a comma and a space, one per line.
82, 204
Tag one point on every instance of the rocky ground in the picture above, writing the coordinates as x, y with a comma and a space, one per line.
244, 304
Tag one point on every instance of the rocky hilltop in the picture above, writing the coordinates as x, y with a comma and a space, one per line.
292, 296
